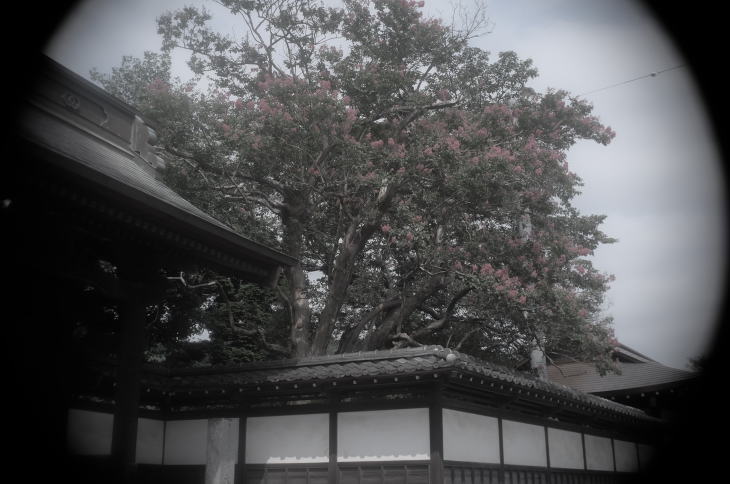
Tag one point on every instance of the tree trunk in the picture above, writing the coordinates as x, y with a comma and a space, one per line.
383, 334
350, 247
353, 242
301, 313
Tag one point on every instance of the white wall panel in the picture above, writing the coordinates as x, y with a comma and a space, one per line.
150, 435
599, 453
222, 452
186, 442
524, 444
287, 439
89, 433
627, 459
383, 435
470, 437
566, 449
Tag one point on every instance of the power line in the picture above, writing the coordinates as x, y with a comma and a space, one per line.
652, 74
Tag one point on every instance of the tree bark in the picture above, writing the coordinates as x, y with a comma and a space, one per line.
353, 242
383, 334
300, 311
351, 246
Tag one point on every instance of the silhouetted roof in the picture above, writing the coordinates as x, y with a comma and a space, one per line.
79, 130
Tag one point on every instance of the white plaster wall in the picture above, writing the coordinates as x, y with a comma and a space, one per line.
287, 439
524, 444
89, 433
599, 454
382, 435
186, 442
566, 449
626, 458
470, 438
646, 455
150, 436
222, 455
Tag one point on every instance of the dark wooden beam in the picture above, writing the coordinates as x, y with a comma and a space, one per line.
126, 413
436, 432
332, 465
241, 467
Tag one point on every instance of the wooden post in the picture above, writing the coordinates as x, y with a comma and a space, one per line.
332, 465
547, 455
131, 348
241, 474
501, 450
436, 432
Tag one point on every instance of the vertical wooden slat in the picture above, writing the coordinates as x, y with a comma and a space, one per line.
548, 478
241, 474
126, 412
436, 433
332, 465
501, 451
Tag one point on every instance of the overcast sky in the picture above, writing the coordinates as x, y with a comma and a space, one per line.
660, 181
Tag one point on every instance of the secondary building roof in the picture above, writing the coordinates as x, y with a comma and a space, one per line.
637, 373
377, 371
647, 376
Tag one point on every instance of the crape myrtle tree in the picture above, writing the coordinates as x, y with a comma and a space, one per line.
419, 182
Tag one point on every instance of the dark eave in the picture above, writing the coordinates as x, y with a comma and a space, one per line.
75, 129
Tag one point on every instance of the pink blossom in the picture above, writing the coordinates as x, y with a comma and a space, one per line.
325, 84
377, 144
452, 143
158, 85
409, 236
486, 269
385, 228
351, 114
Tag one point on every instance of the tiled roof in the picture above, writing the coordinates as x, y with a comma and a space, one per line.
633, 376
425, 360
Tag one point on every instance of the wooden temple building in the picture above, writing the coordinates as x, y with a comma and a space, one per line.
642, 382
87, 224
89, 217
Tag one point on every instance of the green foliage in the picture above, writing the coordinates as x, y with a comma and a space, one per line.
422, 185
